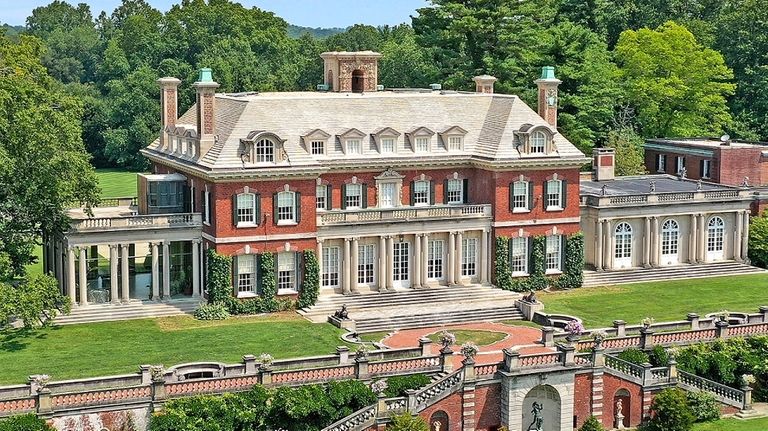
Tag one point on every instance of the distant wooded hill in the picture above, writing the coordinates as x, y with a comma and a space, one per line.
296, 31
11, 30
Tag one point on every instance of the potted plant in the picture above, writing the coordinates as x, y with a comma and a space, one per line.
647, 322
361, 352
378, 387
574, 329
469, 349
265, 361
598, 337
723, 315
447, 339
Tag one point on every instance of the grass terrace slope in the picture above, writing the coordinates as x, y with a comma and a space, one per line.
663, 301
760, 424
116, 182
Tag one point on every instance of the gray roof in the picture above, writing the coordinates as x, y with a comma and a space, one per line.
490, 121
640, 185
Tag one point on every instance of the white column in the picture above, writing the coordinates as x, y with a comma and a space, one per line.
196, 267
599, 246
424, 258
166, 270
451, 257
155, 271
647, 243
608, 256
702, 247
126, 294
345, 265
60, 265
737, 236
457, 266
745, 236
71, 279
416, 262
382, 275
113, 274
354, 264
692, 238
83, 278
390, 262
656, 249
485, 257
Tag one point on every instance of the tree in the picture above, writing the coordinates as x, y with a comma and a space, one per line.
677, 86
758, 241
406, 422
43, 164
404, 63
35, 301
670, 412
629, 158
27, 422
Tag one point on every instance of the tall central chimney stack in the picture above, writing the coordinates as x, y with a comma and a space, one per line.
169, 106
548, 95
206, 110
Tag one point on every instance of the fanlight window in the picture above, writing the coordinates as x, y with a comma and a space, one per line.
538, 142
265, 151
670, 232
623, 238
715, 234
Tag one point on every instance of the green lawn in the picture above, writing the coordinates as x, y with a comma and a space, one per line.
760, 424
663, 301
480, 338
98, 349
116, 182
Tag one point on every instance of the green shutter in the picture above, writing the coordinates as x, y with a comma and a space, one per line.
530, 255
297, 196
274, 207
299, 270
343, 196
234, 210
564, 194
529, 186
465, 190
363, 195
544, 194
431, 192
445, 191
234, 274
257, 208
328, 197
413, 194
563, 244
511, 197
258, 281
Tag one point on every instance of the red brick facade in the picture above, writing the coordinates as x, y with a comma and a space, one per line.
729, 164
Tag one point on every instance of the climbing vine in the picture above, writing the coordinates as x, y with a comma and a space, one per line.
268, 282
537, 280
219, 280
311, 285
573, 275
503, 271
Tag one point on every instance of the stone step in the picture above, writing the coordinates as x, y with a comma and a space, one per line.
592, 278
436, 319
385, 299
410, 296
133, 310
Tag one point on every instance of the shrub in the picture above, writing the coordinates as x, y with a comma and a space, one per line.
592, 424
406, 422
399, 384
219, 280
635, 356
28, 422
268, 282
285, 304
310, 287
214, 311
503, 271
704, 406
670, 412
659, 357
573, 272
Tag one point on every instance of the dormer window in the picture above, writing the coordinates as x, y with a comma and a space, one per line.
421, 139
386, 139
538, 142
455, 143
388, 145
352, 141
421, 144
316, 142
317, 148
262, 147
535, 140
453, 138
265, 151
354, 146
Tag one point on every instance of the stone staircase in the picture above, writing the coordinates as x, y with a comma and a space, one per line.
607, 278
410, 308
132, 310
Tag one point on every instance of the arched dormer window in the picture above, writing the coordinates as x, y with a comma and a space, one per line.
262, 147
535, 140
265, 151
538, 142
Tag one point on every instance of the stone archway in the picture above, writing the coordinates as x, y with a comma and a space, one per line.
439, 421
621, 398
358, 81
545, 416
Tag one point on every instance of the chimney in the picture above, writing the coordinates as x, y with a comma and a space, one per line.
206, 110
484, 83
603, 162
548, 95
169, 89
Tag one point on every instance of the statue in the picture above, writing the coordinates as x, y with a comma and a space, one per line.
745, 183
652, 186
436, 426
342, 314
537, 419
698, 185
530, 297
603, 190
619, 417
683, 173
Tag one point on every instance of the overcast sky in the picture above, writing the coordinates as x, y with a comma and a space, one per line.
308, 13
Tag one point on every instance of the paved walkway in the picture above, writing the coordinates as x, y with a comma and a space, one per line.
521, 338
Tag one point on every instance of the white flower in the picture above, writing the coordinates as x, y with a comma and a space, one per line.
469, 349
378, 387
265, 359
447, 339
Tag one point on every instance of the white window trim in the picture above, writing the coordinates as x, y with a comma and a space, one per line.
347, 143
662, 162
293, 290
543, 147
421, 204
322, 142
394, 144
526, 208
559, 196
524, 272
465, 255
460, 143
292, 220
324, 192
416, 146
206, 208
252, 292
398, 184
559, 269
461, 192
707, 165
255, 222
326, 262
360, 197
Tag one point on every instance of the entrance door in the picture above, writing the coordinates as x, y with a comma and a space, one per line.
670, 236
622, 257
401, 262
715, 238
358, 81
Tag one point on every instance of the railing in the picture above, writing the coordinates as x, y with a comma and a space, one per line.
403, 214
399, 366
624, 367
138, 222
725, 394
439, 389
633, 199
126, 201
357, 421
540, 359
651, 198
674, 197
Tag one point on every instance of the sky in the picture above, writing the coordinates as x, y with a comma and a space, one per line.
307, 13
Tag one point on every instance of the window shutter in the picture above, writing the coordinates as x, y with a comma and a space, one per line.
658, 160
299, 270
529, 186
512, 197
465, 190
364, 195
234, 274
257, 208
563, 244
234, 210
665, 163
187, 199
445, 191
510, 247
297, 197
564, 193
530, 254
343, 196
274, 207
257, 264
203, 203
412, 202
701, 168
431, 192
544, 192
328, 197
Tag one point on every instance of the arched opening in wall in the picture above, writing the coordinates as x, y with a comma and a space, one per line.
621, 409
541, 409
438, 421
358, 81
329, 80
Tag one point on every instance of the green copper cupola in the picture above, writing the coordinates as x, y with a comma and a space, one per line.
548, 72
206, 75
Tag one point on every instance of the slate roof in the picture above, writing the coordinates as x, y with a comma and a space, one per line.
640, 185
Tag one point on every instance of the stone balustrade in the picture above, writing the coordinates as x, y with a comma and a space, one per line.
663, 198
725, 394
405, 214
131, 222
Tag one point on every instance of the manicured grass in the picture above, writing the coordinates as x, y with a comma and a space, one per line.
480, 338
374, 337
116, 183
521, 323
663, 301
760, 424
98, 349
37, 267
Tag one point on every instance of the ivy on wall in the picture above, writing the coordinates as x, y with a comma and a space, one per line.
537, 279
268, 282
503, 273
219, 280
310, 287
573, 275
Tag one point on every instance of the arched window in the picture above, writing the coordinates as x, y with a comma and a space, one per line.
538, 142
265, 151
623, 238
670, 233
715, 234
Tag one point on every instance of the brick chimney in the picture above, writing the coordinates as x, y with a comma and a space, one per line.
603, 163
484, 83
548, 95
169, 105
206, 109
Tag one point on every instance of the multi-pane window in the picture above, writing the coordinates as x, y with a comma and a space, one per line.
706, 168
455, 191
519, 256
520, 196
680, 164
388, 145
366, 262
246, 208
661, 162
554, 194
387, 192
265, 151
206, 207
435, 259
553, 253
454, 142
246, 274
715, 234
330, 266
354, 193
422, 144
318, 147
320, 197
670, 233
420, 192
623, 240
286, 271
286, 207
354, 146
468, 257
538, 143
